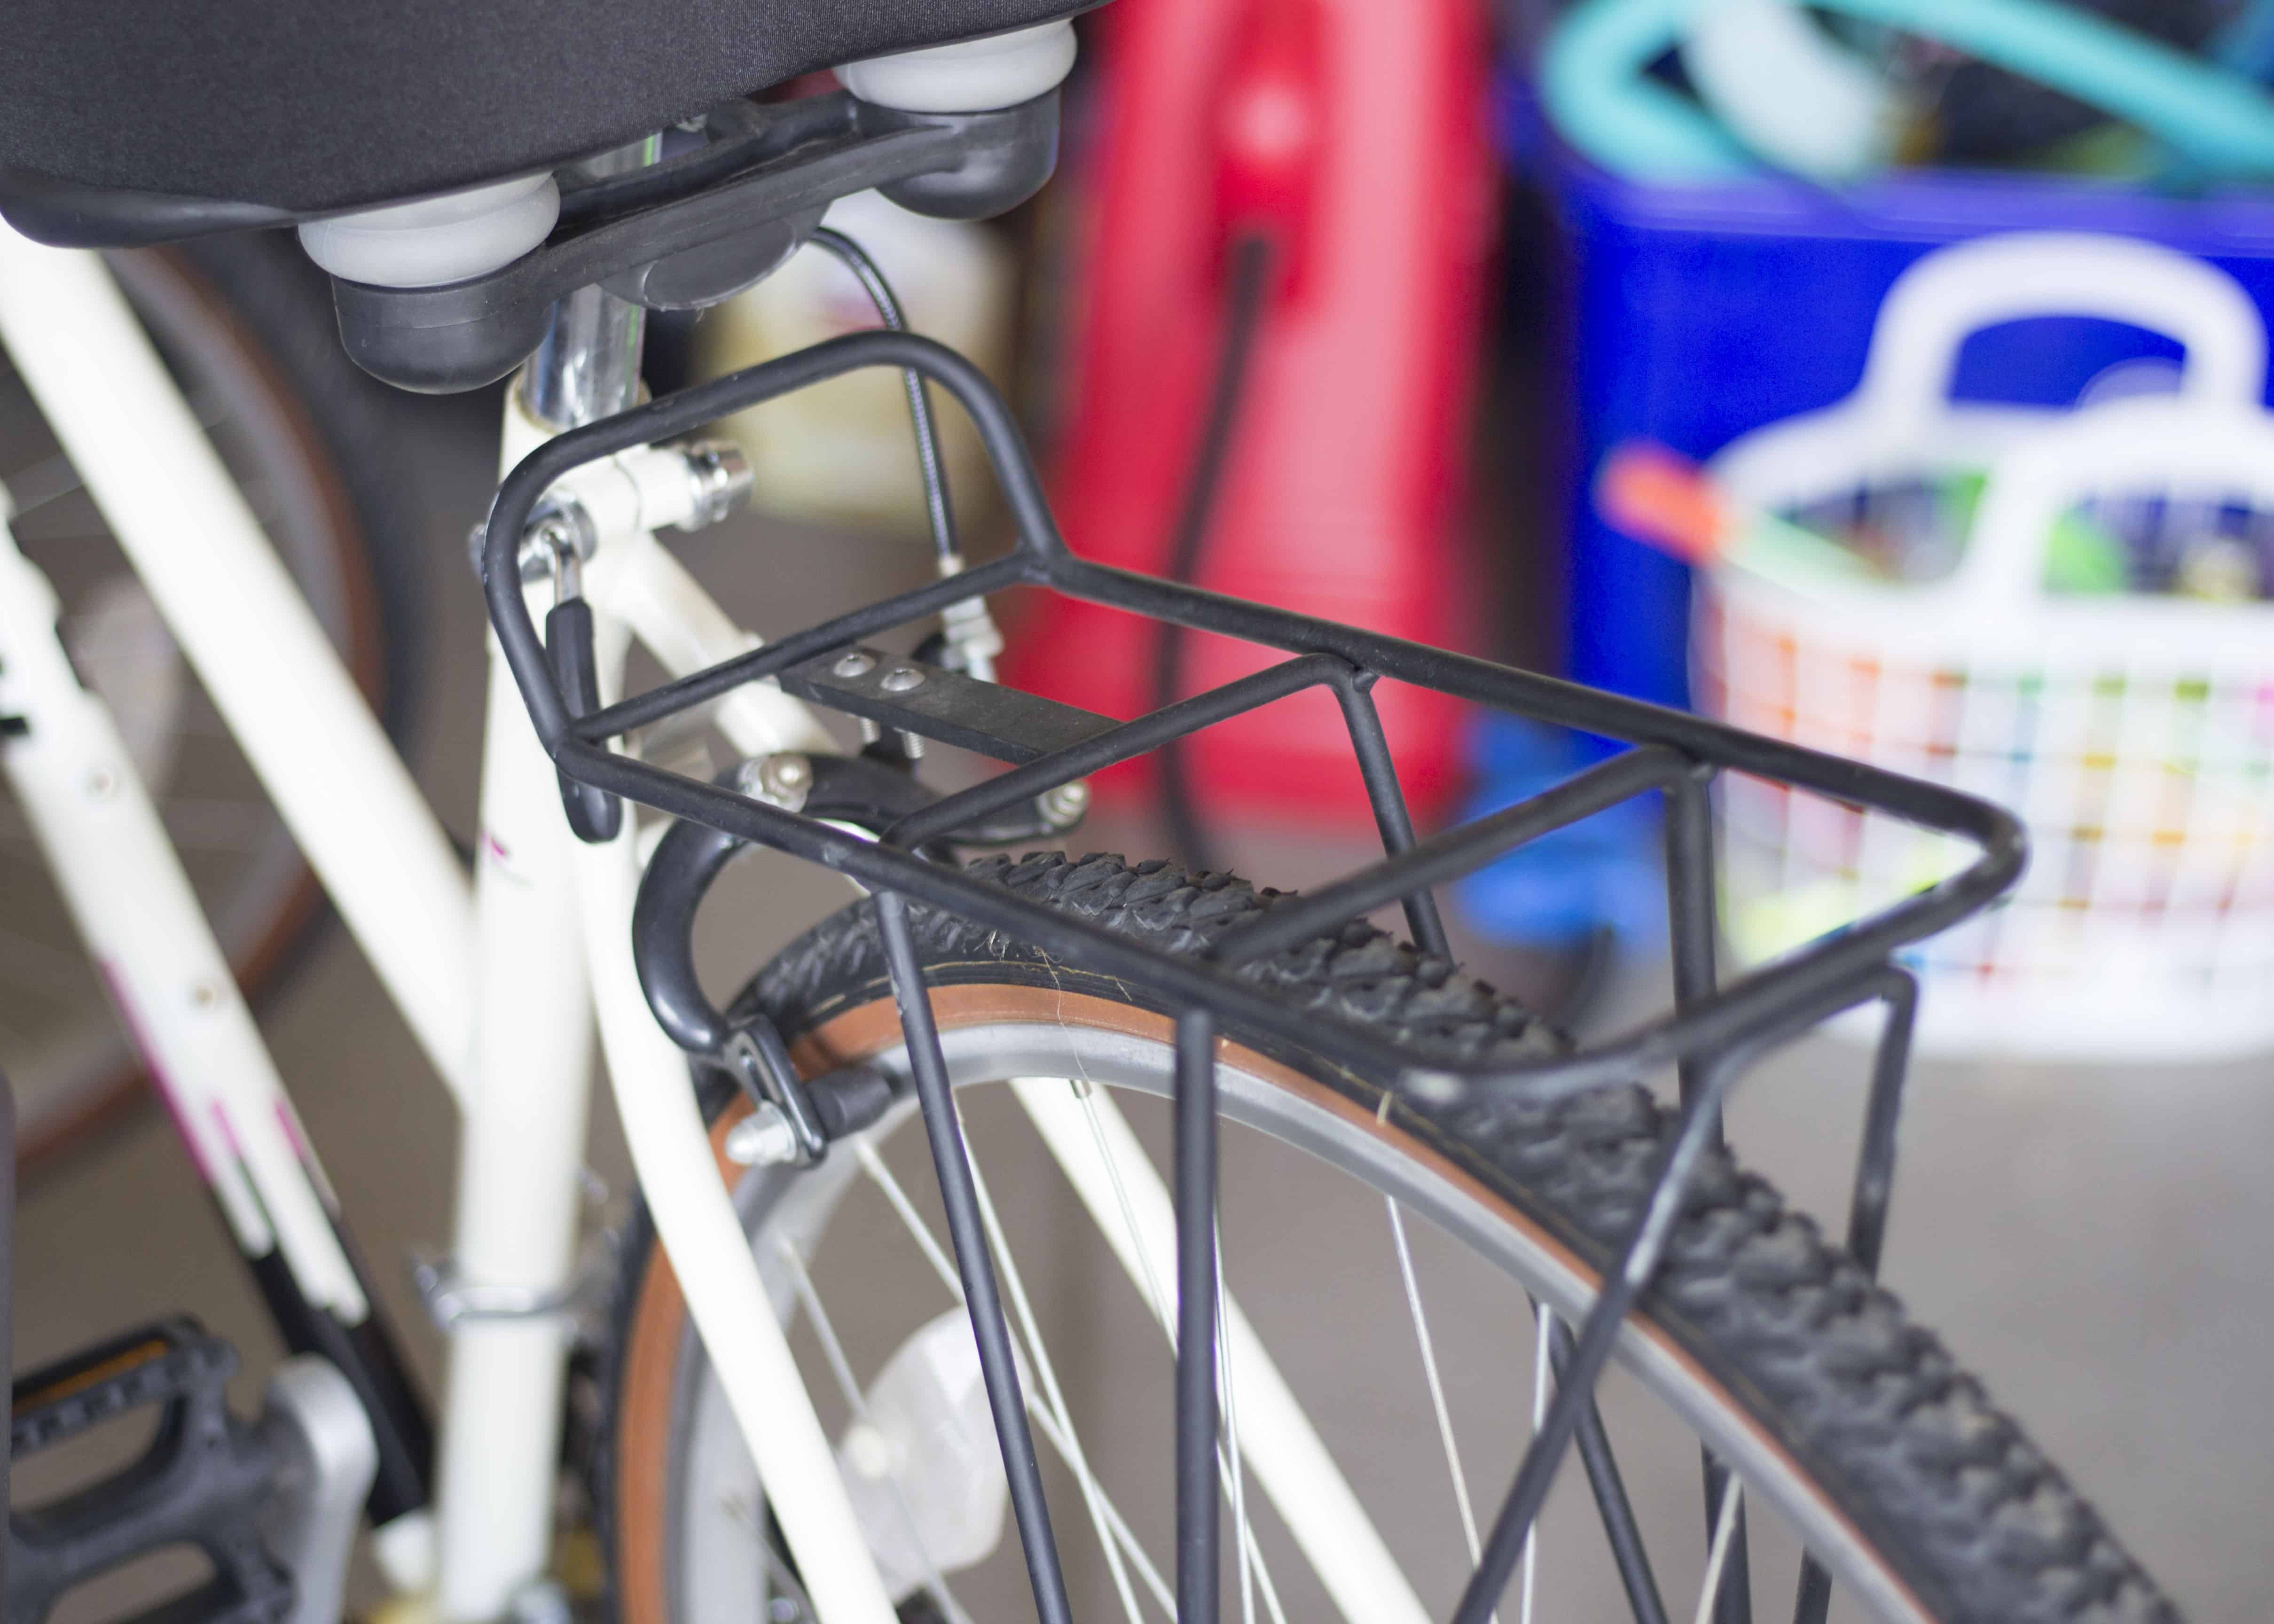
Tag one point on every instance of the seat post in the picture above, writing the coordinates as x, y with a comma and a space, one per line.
588, 365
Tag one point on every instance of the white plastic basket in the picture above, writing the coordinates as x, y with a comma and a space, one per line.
2135, 734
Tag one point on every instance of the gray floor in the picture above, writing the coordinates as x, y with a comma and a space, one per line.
2095, 1243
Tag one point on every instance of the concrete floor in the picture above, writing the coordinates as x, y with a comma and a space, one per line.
2094, 1242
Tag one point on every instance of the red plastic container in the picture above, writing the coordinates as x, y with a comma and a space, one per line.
1355, 132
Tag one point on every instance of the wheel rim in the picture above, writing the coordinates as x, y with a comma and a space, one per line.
1122, 1049
60, 1049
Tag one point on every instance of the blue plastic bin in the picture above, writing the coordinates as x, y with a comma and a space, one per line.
1700, 314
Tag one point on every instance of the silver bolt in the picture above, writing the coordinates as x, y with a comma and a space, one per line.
858, 662
900, 679
763, 1138
1063, 807
785, 779
718, 479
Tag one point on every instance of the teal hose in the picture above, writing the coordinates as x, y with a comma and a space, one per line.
1595, 90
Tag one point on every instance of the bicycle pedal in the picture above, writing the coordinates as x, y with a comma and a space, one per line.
202, 1481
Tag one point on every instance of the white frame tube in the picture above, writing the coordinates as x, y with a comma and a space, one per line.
127, 893
241, 621
522, 1145
555, 922
695, 1220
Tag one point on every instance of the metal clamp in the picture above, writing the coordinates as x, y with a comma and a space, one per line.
451, 1301
760, 1062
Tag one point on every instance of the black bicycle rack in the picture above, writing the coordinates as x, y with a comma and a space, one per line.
1715, 1034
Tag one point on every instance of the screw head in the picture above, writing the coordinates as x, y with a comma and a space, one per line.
900, 679
855, 663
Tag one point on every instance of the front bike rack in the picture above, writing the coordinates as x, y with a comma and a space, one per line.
1712, 1036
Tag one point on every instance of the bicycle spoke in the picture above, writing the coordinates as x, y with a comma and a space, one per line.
936, 1094
1429, 1370
882, 1176
1718, 1560
1734, 1602
1197, 1517
833, 1351
1054, 1397
1251, 1552
874, 1165
1329, 1528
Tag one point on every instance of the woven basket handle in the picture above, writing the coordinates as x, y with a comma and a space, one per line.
1934, 305
2173, 445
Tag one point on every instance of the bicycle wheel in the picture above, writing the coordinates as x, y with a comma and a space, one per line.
249, 337
1852, 1431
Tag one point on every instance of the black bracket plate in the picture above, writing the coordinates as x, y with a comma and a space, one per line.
934, 703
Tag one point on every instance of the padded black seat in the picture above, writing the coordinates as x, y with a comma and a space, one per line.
164, 117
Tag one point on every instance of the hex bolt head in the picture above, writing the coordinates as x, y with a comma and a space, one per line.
900, 679
856, 663
784, 779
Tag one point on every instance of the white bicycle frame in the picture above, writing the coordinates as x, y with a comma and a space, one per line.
501, 982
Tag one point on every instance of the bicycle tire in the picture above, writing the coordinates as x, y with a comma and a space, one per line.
1970, 1522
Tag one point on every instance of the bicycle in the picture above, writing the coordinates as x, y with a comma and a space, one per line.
1617, 1228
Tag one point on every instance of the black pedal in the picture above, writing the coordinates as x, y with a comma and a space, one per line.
201, 1482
